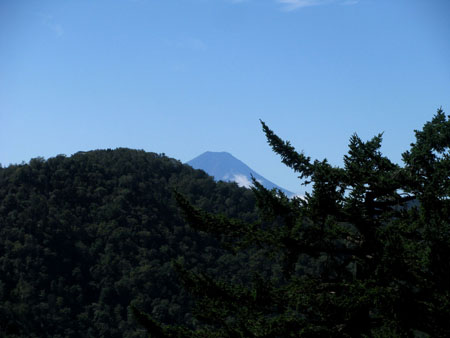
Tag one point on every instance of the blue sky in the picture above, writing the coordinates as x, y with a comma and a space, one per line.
185, 76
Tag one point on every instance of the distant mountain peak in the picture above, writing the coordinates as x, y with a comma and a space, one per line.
225, 167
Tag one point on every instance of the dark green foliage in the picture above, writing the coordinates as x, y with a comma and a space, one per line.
366, 254
83, 237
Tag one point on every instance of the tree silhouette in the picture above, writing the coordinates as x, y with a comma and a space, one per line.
366, 253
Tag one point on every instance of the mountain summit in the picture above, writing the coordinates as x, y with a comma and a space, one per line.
225, 167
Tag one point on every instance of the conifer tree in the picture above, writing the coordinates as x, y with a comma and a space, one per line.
365, 254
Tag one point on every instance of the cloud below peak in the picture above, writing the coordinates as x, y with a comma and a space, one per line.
242, 181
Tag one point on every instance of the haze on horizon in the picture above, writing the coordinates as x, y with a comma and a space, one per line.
184, 77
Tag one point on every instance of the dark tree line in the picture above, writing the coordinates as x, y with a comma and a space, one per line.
84, 237
92, 242
365, 254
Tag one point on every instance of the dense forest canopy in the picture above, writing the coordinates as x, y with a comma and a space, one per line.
365, 254
92, 244
84, 237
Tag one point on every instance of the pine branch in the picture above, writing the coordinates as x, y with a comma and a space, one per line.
297, 161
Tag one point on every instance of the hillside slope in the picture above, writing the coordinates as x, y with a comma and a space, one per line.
83, 237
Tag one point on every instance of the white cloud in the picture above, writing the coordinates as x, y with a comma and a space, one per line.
290, 5
188, 43
193, 43
350, 2
242, 181
49, 22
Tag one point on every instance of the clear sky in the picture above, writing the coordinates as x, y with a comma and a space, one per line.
185, 76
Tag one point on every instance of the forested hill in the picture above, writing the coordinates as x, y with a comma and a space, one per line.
83, 237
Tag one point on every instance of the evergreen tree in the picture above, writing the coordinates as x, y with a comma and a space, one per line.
365, 254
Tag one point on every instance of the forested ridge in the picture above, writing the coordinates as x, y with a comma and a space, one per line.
92, 244
84, 237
